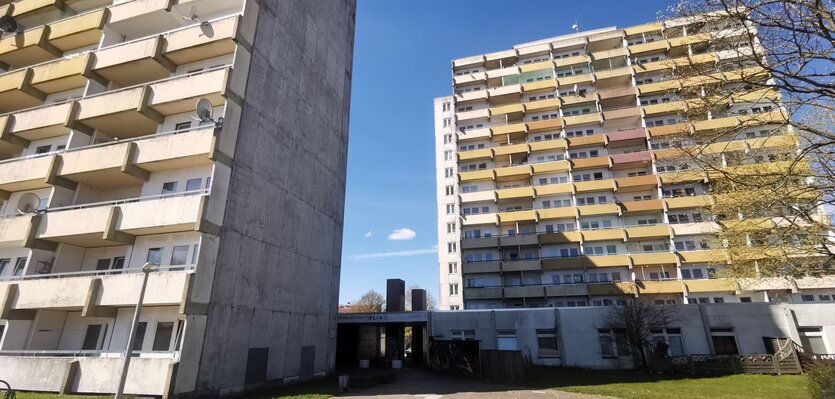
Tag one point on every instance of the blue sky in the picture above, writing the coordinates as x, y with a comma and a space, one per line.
402, 55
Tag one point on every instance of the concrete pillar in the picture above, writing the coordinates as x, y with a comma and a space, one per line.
418, 299
395, 295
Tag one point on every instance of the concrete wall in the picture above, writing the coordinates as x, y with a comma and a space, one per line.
275, 284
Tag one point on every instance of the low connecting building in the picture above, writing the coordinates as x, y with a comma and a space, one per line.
208, 137
556, 186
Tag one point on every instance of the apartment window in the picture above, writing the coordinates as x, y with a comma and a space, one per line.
462, 335
162, 336
182, 126
449, 172
453, 267
724, 342
169, 187
450, 209
194, 184
672, 338
613, 342
447, 122
452, 247
154, 256
139, 337
546, 339
18, 267
447, 138
745, 299
450, 228
446, 106
450, 190
811, 338
453, 289
3, 264
454, 307
103, 264
506, 340
91, 337
43, 149
179, 255
118, 263
807, 298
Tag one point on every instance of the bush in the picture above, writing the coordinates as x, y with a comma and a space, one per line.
821, 381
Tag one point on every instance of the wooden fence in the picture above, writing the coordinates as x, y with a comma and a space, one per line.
749, 364
503, 366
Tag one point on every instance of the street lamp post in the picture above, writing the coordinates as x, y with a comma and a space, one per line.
147, 268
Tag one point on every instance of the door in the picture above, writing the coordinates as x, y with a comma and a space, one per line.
91, 337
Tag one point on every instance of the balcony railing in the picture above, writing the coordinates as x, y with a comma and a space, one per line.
87, 273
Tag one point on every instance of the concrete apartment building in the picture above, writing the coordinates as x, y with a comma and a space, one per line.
105, 165
554, 187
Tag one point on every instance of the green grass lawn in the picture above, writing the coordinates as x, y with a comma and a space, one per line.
323, 389
47, 395
641, 385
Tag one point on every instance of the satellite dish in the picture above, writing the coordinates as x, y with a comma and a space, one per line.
8, 24
204, 112
633, 276
28, 203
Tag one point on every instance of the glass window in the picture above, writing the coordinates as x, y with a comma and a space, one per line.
169, 187
193, 184
139, 337
547, 342
179, 255
18, 267
154, 255
162, 337
3, 264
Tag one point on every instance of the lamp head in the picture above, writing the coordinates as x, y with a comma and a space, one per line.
150, 267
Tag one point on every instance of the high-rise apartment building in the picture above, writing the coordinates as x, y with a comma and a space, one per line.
108, 163
555, 185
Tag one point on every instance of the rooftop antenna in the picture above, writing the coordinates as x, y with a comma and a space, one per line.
204, 112
576, 26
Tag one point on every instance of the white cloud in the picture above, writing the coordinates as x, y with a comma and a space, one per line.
369, 234
402, 234
395, 254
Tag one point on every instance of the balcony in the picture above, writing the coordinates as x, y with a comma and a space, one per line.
582, 119
482, 267
521, 265
637, 183
595, 210
620, 72
631, 160
548, 167
549, 145
125, 15
474, 114
665, 108
617, 92
645, 28
785, 141
620, 113
612, 53
568, 81
577, 59
27, 7
27, 173
17, 230
648, 206
542, 105
478, 196
709, 256
549, 84
668, 153
504, 90
513, 172
524, 292
511, 149
647, 232
724, 147
660, 287
717, 285
551, 124
651, 47
16, 91
509, 129
689, 39
507, 109
676, 129
484, 153
717, 124
27, 48
565, 237
766, 284
518, 216
536, 66
611, 288
683, 229
683, 177
666, 86
483, 242
476, 175
579, 99
515, 193
598, 185
590, 163
587, 141
805, 283
62, 75
654, 258
608, 261
562, 263
557, 213
604, 235
121, 113
469, 78
486, 218
699, 201
474, 134
43, 122
566, 290
178, 95
476, 95
134, 62
483, 293
77, 31
201, 42
502, 72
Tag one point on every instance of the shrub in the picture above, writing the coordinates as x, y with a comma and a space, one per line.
821, 381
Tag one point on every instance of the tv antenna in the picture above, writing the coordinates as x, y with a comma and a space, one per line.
204, 112
576, 26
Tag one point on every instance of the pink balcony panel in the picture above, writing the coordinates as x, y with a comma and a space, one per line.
624, 135
634, 157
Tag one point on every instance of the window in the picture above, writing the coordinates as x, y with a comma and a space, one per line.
450, 228
724, 342
103, 264
462, 335
506, 340
118, 263
154, 256
179, 255
447, 122
182, 126
446, 106
194, 184
449, 172
453, 267
613, 343
18, 267
3, 264
807, 298
745, 299
91, 337
450, 190
447, 139
162, 336
811, 338
449, 156
43, 149
169, 187
450, 209
453, 289
139, 337
452, 247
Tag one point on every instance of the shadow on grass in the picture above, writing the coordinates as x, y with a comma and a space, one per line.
555, 377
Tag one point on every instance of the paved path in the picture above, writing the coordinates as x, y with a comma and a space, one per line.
420, 384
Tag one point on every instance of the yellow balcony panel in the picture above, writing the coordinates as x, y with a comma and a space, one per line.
716, 285
664, 108
603, 235
552, 189
566, 290
637, 182
134, 62
647, 232
160, 216
509, 129
586, 141
17, 93
579, 99
716, 124
608, 261
611, 288
521, 265
483, 293
536, 66
714, 256
612, 53
62, 75
654, 66
507, 109
582, 119
125, 15
657, 258
474, 114
485, 218
661, 287
471, 96
16, 231
575, 80
511, 149
27, 173
551, 124
475, 154
750, 224
562, 263
27, 48
783, 141
513, 172
590, 163
549, 84
782, 167
601, 209
43, 122
559, 238
476, 175
755, 96
613, 73
547, 167
668, 153
512, 193
478, 196
542, 105
558, 213
656, 46
676, 129
660, 87
104, 167
178, 95
689, 39
548, 145
518, 216
699, 201
646, 206
577, 59
683, 177
629, 112
120, 114
502, 72
598, 185
535, 291
23, 7
683, 229
84, 227
617, 92
724, 147
199, 42
645, 28
481, 267
763, 118
504, 90
78, 31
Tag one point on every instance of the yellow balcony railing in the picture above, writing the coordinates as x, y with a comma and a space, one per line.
656, 46
43, 122
642, 206
507, 109
515, 193
16, 91
582, 119
554, 189
511, 149
518, 216
604, 235
27, 173
542, 105
602, 209
645, 28
647, 232
104, 167
590, 163
577, 59
557, 213
611, 288
547, 167
513, 172
660, 87
608, 261
540, 85
717, 285
16, 232
536, 66
559, 238
661, 287
134, 62
178, 95
657, 258
27, 48
586, 141
599, 185
509, 129
710, 256
176, 151
700, 201
665, 108
121, 113
62, 75
476, 175
548, 145
475, 154
78, 31
551, 124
